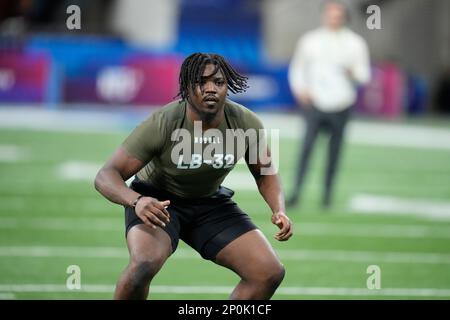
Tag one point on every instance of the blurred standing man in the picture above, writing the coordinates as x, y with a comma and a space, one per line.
327, 65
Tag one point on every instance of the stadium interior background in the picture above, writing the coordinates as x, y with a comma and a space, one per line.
69, 96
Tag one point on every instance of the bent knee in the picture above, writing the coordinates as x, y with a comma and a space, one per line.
276, 275
270, 274
143, 270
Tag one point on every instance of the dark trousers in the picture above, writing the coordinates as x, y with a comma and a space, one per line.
334, 124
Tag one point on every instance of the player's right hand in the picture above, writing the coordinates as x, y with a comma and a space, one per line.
153, 212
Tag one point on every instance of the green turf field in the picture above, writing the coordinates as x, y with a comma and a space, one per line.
48, 222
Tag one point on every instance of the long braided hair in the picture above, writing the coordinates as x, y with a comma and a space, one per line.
192, 71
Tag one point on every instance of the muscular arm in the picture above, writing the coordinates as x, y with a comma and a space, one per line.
270, 188
110, 180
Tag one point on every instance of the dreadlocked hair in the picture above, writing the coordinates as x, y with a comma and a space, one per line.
192, 71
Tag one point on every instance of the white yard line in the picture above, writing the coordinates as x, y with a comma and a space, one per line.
239, 180
303, 229
7, 296
11, 153
48, 251
362, 203
373, 230
368, 133
290, 126
285, 254
364, 256
399, 135
62, 224
374, 204
78, 170
288, 291
94, 121
86, 171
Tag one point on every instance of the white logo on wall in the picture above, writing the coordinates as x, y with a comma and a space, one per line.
74, 20
74, 279
374, 280
7, 79
119, 84
374, 20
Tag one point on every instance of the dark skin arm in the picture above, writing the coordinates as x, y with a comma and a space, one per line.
110, 182
270, 188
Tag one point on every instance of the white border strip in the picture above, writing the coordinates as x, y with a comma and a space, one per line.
285, 254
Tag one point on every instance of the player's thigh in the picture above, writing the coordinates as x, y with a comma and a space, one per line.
148, 246
250, 255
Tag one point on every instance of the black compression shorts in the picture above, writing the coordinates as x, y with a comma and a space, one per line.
206, 224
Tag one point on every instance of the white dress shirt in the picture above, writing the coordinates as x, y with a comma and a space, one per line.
321, 65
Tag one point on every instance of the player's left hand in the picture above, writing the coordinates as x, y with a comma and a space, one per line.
281, 220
